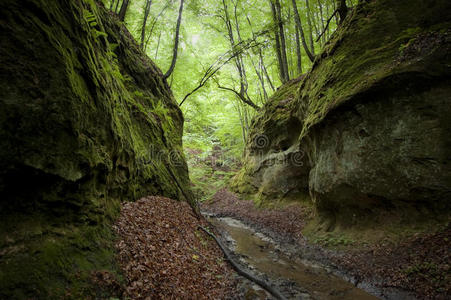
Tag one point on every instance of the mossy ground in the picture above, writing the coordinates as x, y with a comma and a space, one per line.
50, 260
383, 228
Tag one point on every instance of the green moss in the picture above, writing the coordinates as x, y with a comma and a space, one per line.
383, 48
45, 258
347, 68
98, 125
274, 129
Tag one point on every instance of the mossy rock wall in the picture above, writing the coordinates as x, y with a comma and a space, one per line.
373, 114
86, 121
274, 166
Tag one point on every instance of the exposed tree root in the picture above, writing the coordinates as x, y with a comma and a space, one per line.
243, 272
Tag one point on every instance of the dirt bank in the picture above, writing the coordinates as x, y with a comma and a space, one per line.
416, 267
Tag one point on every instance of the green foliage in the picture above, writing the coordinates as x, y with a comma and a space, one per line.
422, 268
211, 114
333, 240
86, 153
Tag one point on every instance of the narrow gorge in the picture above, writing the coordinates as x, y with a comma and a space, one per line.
311, 140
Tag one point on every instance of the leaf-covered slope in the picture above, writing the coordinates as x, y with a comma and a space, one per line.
86, 121
165, 255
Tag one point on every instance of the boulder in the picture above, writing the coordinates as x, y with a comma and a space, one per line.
274, 165
372, 117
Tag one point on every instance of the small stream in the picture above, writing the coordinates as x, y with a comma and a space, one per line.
261, 255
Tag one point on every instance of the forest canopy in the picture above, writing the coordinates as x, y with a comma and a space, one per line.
231, 55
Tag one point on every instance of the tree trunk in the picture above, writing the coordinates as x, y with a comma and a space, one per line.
342, 9
283, 47
328, 28
277, 40
323, 23
240, 116
298, 51
260, 77
158, 46
117, 6
309, 20
259, 70
154, 22
266, 73
143, 28
291, 67
298, 21
176, 42
242, 93
123, 10
246, 119
242, 70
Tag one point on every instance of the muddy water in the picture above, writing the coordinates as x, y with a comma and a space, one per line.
260, 253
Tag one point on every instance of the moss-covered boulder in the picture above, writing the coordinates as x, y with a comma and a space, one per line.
374, 113
86, 121
274, 166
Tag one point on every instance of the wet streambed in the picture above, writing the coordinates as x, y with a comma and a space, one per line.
260, 253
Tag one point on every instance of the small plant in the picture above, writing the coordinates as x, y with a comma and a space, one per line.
334, 241
421, 268
163, 113
138, 94
91, 19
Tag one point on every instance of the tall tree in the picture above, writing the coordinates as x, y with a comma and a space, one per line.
342, 9
277, 41
143, 28
176, 41
309, 22
242, 94
260, 70
154, 22
283, 46
321, 16
123, 10
298, 50
280, 44
301, 31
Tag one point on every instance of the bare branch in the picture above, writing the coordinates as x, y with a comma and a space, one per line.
222, 61
327, 25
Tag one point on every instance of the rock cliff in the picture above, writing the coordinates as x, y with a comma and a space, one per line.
86, 121
369, 123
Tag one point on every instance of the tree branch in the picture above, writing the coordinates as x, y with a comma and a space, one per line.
240, 96
221, 61
327, 25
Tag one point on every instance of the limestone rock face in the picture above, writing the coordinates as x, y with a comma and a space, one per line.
274, 165
392, 149
373, 114
86, 121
